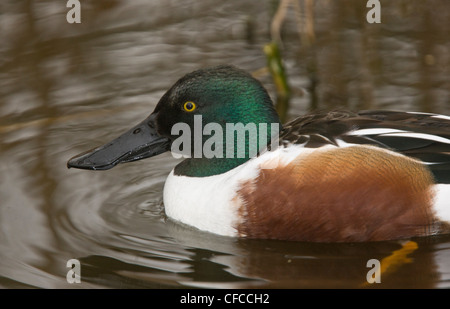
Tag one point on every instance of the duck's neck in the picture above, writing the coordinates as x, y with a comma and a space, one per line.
203, 167
238, 145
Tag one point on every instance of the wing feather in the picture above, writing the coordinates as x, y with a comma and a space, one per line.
423, 136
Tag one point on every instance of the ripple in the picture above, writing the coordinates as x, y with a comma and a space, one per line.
67, 89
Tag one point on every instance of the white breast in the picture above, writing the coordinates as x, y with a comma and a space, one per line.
202, 202
210, 203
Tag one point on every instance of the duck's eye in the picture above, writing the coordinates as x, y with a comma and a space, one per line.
189, 106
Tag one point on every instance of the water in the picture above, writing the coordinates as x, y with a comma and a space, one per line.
66, 88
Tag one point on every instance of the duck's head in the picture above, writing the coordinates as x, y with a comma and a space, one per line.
220, 95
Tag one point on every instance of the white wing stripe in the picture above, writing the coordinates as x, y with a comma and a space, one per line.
431, 115
441, 117
375, 131
400, 133
422, 136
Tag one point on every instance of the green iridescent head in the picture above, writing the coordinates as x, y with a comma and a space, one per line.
221, 96
209, 116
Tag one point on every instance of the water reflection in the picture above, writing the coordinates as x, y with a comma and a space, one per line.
65, 88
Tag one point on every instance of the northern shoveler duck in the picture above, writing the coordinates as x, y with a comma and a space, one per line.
333, 177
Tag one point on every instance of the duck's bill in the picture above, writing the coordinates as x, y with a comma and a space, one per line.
140, 142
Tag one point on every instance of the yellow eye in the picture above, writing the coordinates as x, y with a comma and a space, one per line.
189, 106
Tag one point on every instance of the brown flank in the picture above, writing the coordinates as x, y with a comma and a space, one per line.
352, 194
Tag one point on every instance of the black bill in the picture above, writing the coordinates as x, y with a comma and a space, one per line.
140, 142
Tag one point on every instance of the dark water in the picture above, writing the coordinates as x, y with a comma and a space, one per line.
65, 88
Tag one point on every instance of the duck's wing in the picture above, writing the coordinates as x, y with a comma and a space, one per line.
422, 136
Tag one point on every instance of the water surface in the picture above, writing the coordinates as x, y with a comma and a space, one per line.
66, 88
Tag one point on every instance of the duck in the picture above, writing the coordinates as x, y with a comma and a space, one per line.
334, 176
